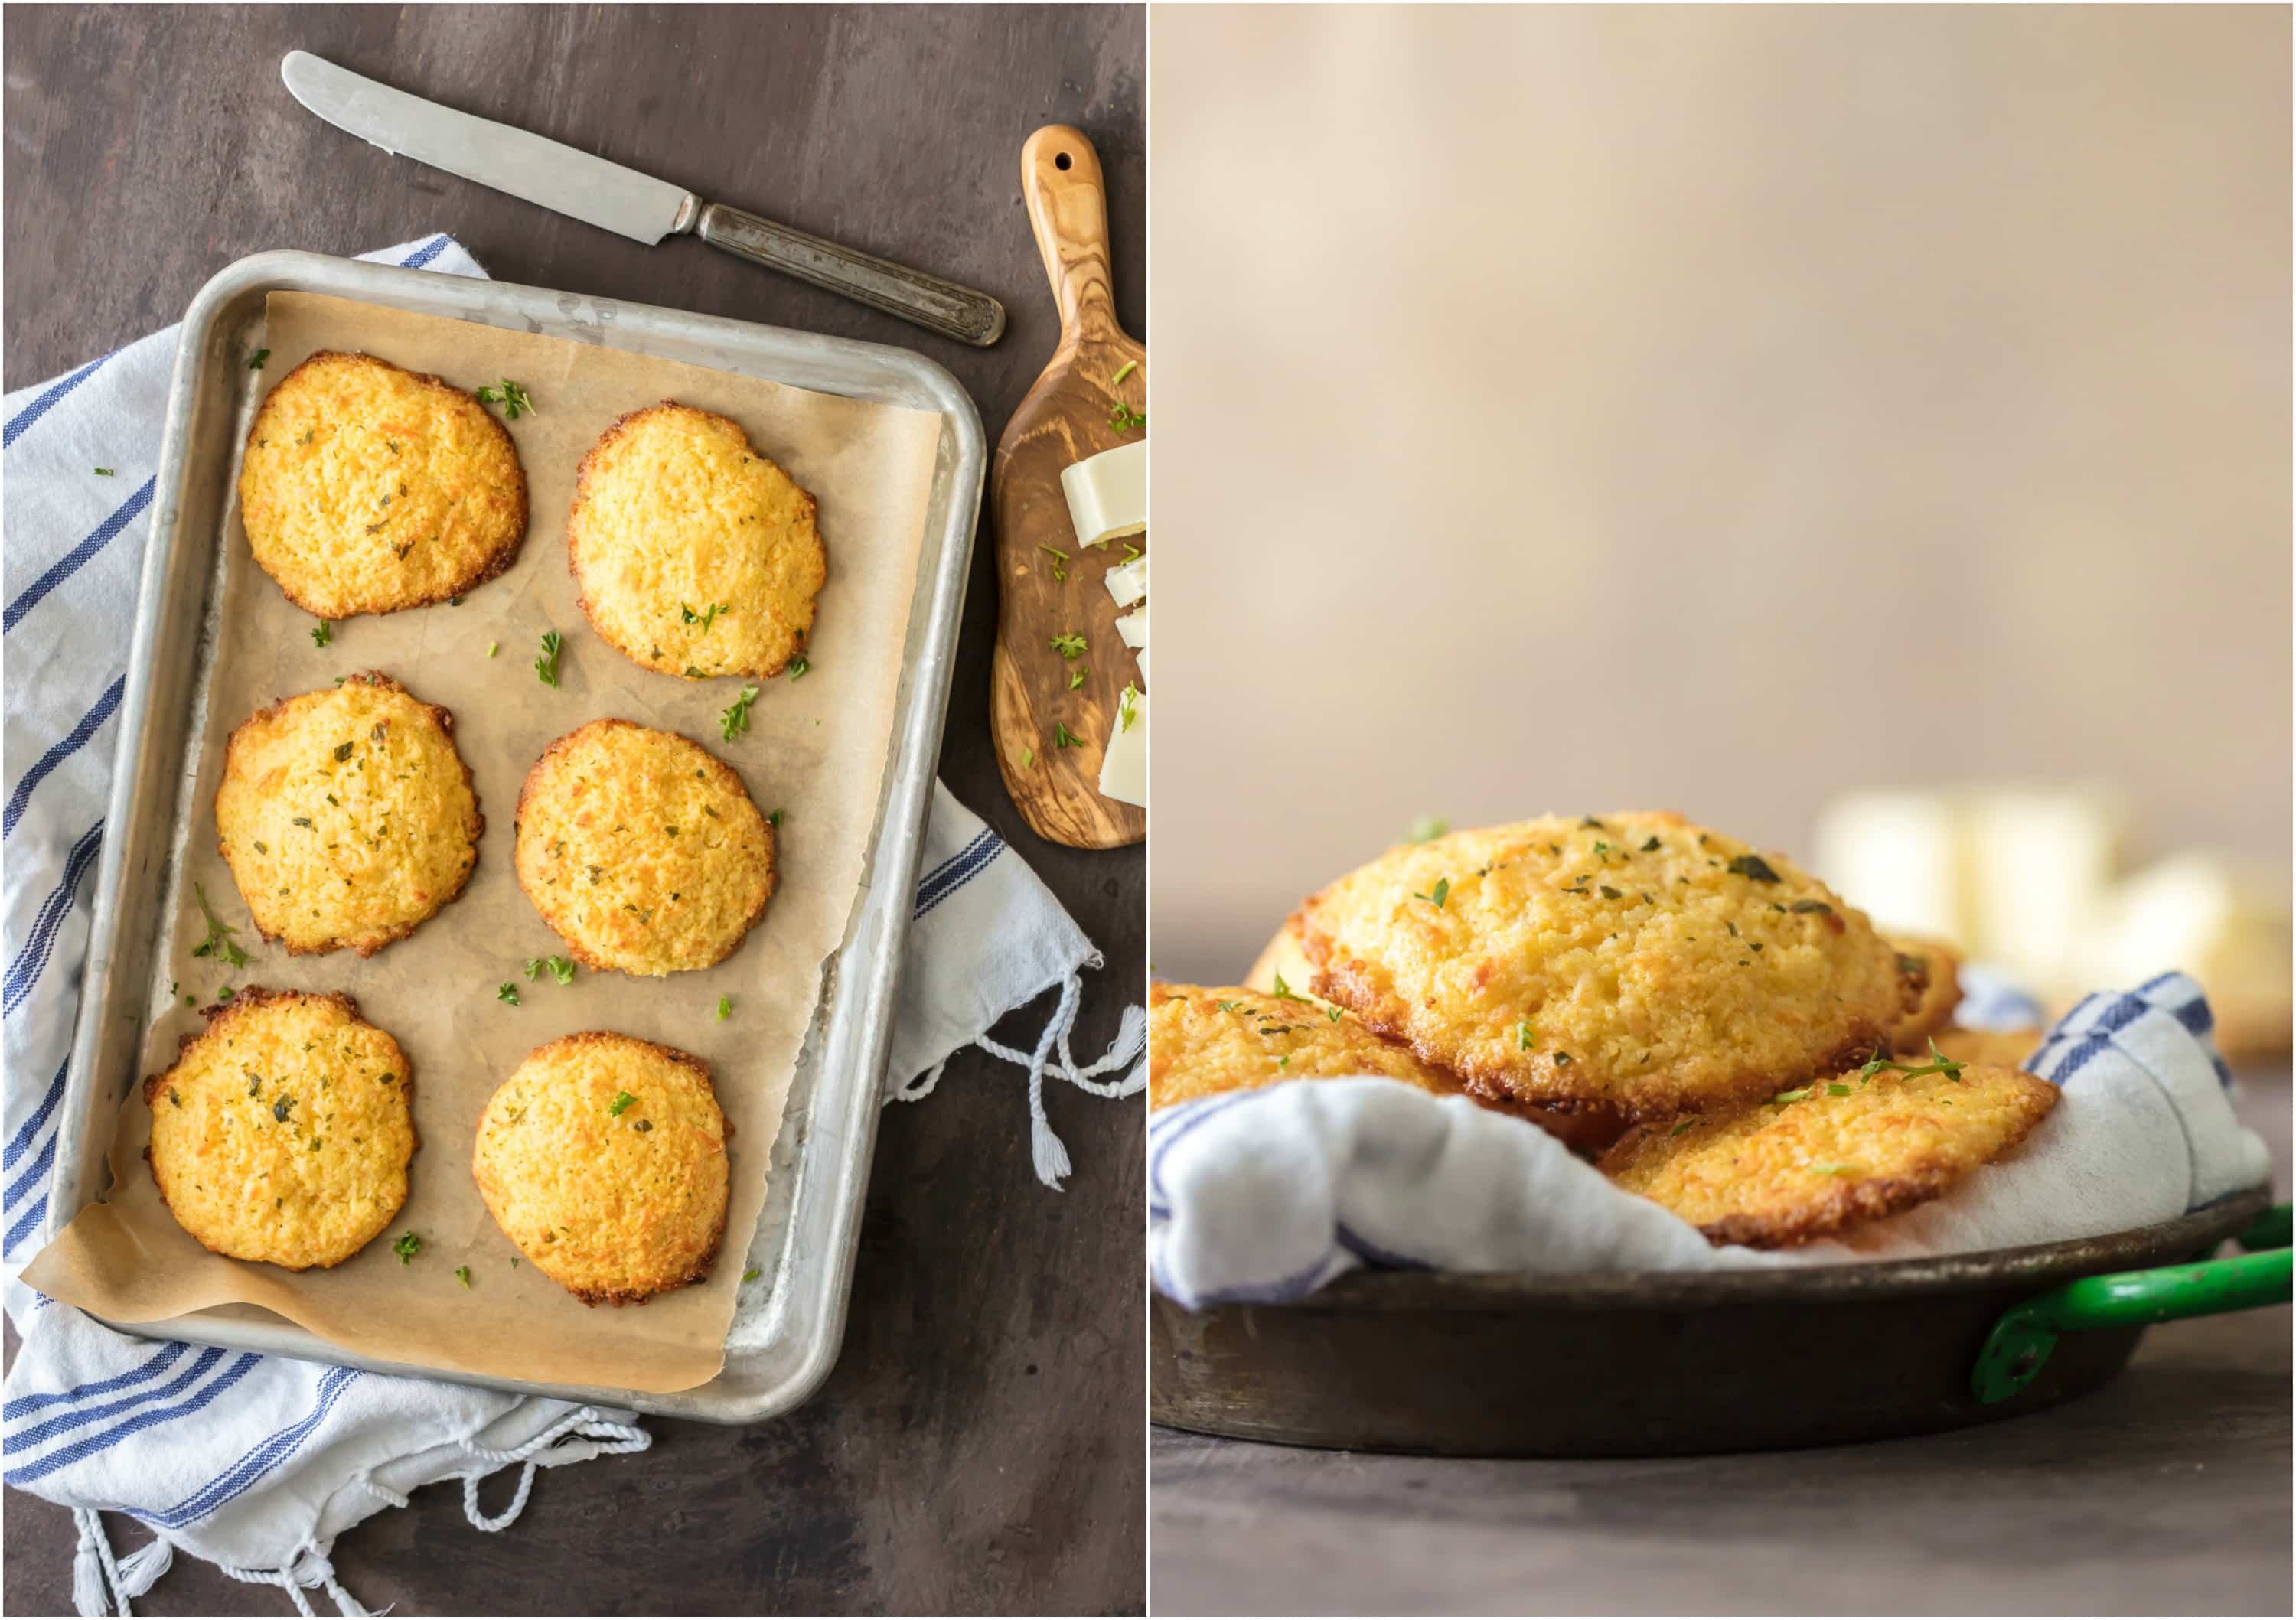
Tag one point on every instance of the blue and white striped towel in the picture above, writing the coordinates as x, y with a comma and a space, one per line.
1265, 1195
256, 1463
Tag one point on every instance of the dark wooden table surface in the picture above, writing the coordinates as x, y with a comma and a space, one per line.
2166, 1493
979, 1447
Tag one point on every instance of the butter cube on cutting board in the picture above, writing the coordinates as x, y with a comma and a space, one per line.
1108, 493
1124, 764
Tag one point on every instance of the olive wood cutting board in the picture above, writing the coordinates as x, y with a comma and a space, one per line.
1049, 585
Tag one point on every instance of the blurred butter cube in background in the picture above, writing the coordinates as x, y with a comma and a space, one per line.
2038, 881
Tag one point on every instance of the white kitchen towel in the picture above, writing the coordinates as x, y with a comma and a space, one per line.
256, 1463
1265, 1195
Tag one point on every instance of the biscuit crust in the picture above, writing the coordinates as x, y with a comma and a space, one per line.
1932, 971
642, 849
603, 1158
1996, 1048
347, 816
1204, 1040
367, 488
1829, 1155
694, 554
1633, 963
283, 1130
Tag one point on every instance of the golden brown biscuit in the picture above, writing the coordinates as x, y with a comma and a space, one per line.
1933, 972
366, 488
1996, 1048
347, 816
695, 555
1202, 1040
1830, 1154
1633, 963
642, 849
603, 1158
283, 1132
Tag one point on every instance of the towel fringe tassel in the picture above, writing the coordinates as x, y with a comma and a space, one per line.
1047, 1152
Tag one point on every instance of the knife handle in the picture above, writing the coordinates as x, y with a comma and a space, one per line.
939, 306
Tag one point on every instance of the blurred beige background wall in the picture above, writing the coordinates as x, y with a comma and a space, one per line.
1709, 408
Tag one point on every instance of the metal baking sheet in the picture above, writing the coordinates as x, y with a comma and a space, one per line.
805, 1242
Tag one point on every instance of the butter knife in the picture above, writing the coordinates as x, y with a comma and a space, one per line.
623, 200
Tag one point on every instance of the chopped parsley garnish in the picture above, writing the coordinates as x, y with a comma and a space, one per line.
492, 647
1833, 1169
736, 720
561, 969
1127, 707
1609, 893
773, 818
342, 752
1439, 893
1793, 1096
255, 361
1685, 1126
707, 617
546, 666
219, 942
622, 1103
1943, 1065
1807, 906
105, 472
1651, 844
1523, 1037
1124, 371
1426, 827
322, 633
1124, 418
1076, 677
1069, 645
407, 1246
463, 1275
224, 995
512, 397
797, 667
1028, 757
1059, 561
1331, 1013
1562, 1059
1064, 737
1834, 1088
724, 1008
507, 992
751, 1275
175, 1097
1283, 992
1753, 867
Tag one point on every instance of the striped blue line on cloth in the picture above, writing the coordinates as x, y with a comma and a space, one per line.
29, 1222
25, 1132
24, 1406
79, 1450
424, 254
40, 407
960, 869
261, 1458
25, 971
34, 1174
89, 724
72, 560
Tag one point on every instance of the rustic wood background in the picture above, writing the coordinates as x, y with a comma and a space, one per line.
980, 1446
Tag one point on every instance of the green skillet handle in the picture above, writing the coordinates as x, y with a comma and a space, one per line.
2022, 1340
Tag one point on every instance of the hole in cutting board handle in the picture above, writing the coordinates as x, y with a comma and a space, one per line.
1061, 161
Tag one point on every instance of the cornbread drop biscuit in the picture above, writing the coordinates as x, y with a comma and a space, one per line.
1633, 962
1830, 1154
603, 1158
347, 816
283, 1132
695, 555
642, 849
1202, 1040
1933, 973
1996, 1048
366, 488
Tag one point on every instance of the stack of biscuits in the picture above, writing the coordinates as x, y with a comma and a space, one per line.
1718, 1030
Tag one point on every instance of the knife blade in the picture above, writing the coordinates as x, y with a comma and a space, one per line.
569, 181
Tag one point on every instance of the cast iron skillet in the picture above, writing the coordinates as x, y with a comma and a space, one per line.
1643, 1364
